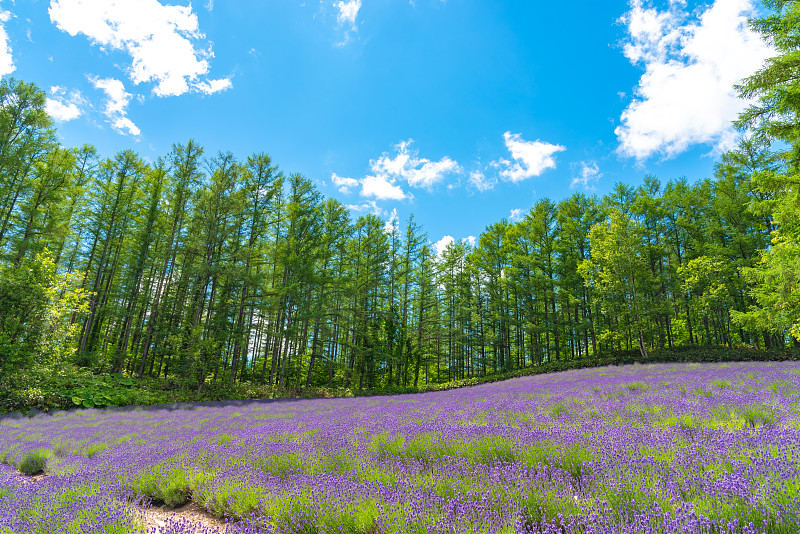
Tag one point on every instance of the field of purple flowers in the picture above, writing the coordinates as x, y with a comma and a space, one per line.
637, 449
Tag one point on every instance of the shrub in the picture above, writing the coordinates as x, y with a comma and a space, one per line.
33, 463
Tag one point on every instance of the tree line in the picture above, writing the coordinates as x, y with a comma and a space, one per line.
211, 268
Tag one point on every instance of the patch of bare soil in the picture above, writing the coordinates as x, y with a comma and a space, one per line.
32, 479
158, 518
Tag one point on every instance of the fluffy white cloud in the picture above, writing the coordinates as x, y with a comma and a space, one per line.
470, 240
588, 173
64, 107
443, 243
62, 111
389, 172
344, 184
479, 181
686, 95
530, 158
516, 214
382, 188
407, 165
6, 60
159, 38
117, 100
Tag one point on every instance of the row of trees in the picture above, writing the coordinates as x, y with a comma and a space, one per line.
214, 268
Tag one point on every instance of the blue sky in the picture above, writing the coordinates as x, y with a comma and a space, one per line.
459, 111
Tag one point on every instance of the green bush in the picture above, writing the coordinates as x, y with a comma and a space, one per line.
33, 463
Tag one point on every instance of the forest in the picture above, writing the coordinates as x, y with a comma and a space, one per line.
212, 269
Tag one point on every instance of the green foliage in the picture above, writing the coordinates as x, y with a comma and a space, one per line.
704, 279
65, 386
172, 485
757, 415
23, 304
775, 283
618, 273
774, 120
224, 278
36, 305
34, 462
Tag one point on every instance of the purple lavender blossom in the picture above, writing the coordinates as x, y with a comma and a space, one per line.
636, 449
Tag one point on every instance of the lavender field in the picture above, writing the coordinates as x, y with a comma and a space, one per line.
637, 449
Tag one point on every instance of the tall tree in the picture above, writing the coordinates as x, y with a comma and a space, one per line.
775, 116
113, 200
26, 134
259, 191
186, 175
619, 274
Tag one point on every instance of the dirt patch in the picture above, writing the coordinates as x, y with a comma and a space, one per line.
30, 479
158, 518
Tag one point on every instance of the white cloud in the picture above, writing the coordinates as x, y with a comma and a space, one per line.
389, 172
442, 244
516, 214
346, 18
686, 95
61, 111
117, 100
407, 165
479, 181
344, 184
214, 86
531, 158
348, 11
588, 173
382, 188
369, 205
6, 59
470, 239
63, 107
159, 38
